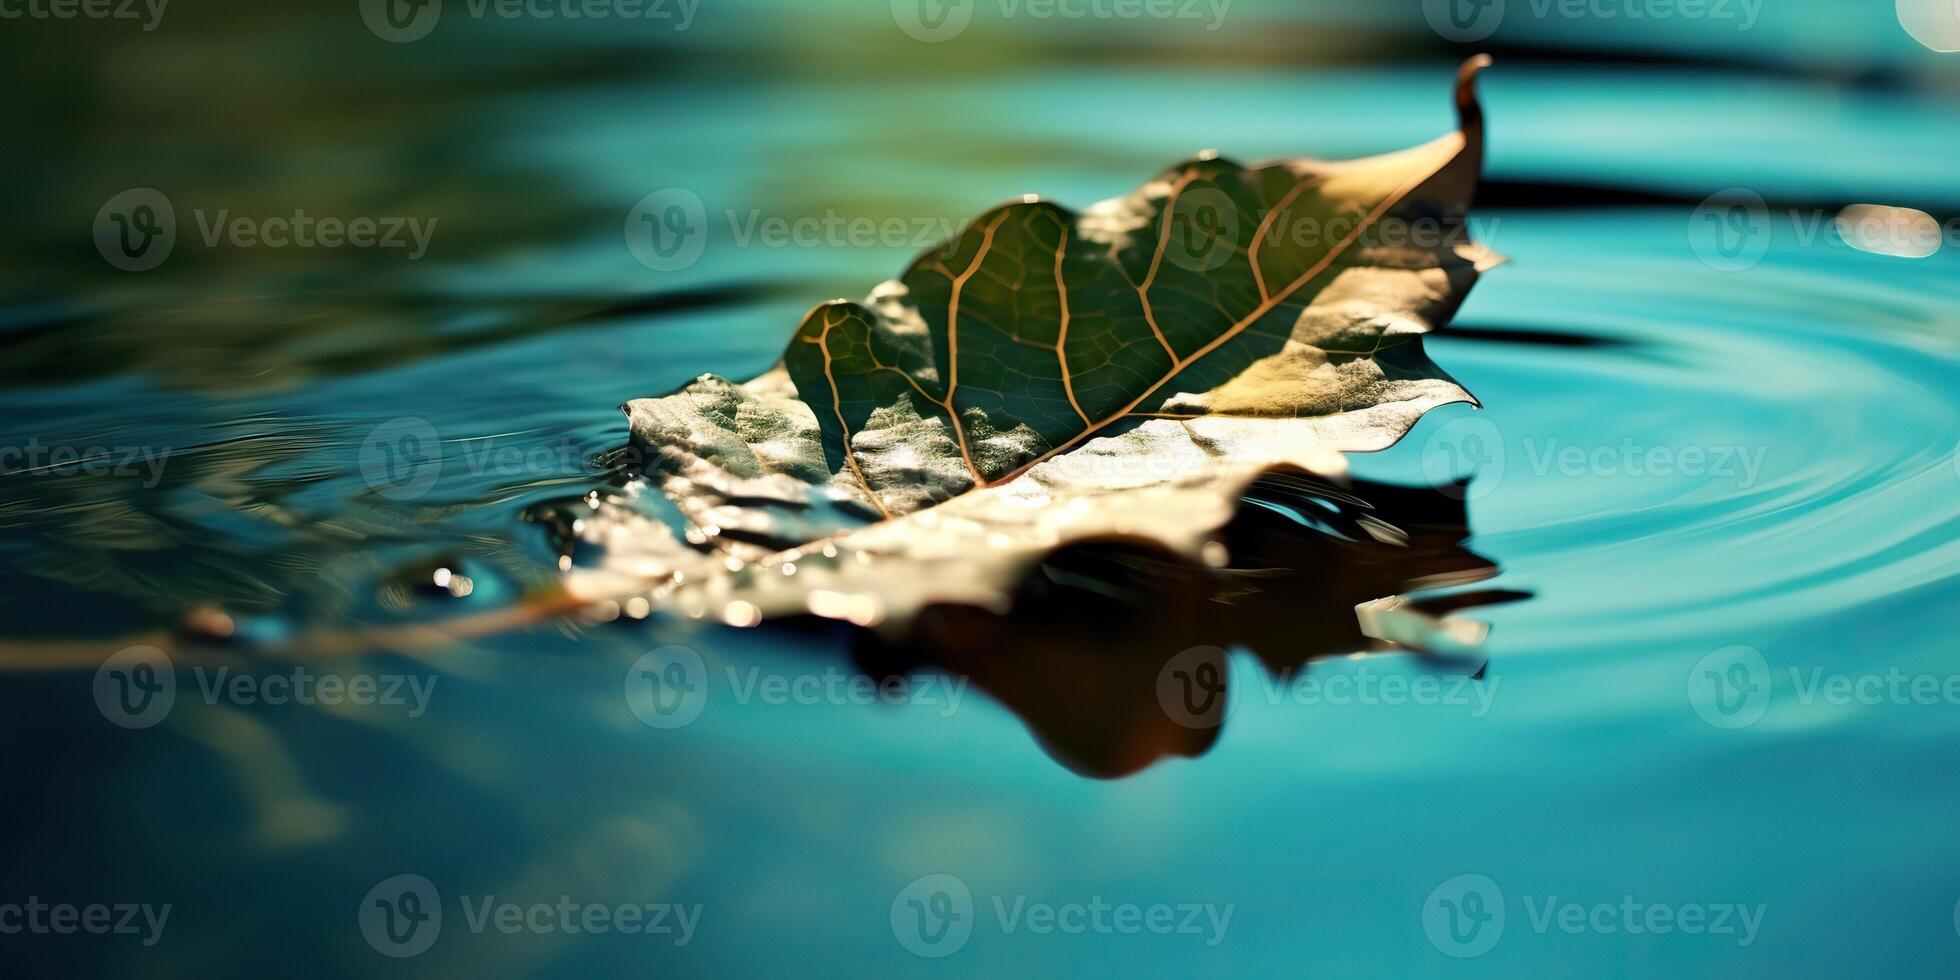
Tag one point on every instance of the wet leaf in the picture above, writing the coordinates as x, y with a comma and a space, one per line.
1052, 378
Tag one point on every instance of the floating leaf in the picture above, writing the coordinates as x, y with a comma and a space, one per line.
1050, 378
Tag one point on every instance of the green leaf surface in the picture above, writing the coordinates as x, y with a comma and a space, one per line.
1052, 377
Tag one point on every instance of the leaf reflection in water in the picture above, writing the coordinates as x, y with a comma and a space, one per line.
1114, 653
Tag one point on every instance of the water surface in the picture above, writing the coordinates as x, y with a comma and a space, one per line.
1816, 526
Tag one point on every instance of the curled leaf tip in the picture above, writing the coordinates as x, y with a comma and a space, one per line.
1467, 106
1470, 112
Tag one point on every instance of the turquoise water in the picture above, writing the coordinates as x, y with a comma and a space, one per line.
1592, 763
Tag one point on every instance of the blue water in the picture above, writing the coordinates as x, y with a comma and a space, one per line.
1818, 529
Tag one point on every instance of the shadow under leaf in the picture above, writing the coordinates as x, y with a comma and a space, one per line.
1114, 655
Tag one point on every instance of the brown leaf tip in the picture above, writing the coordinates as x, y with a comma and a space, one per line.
1470, 112
1466, 88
